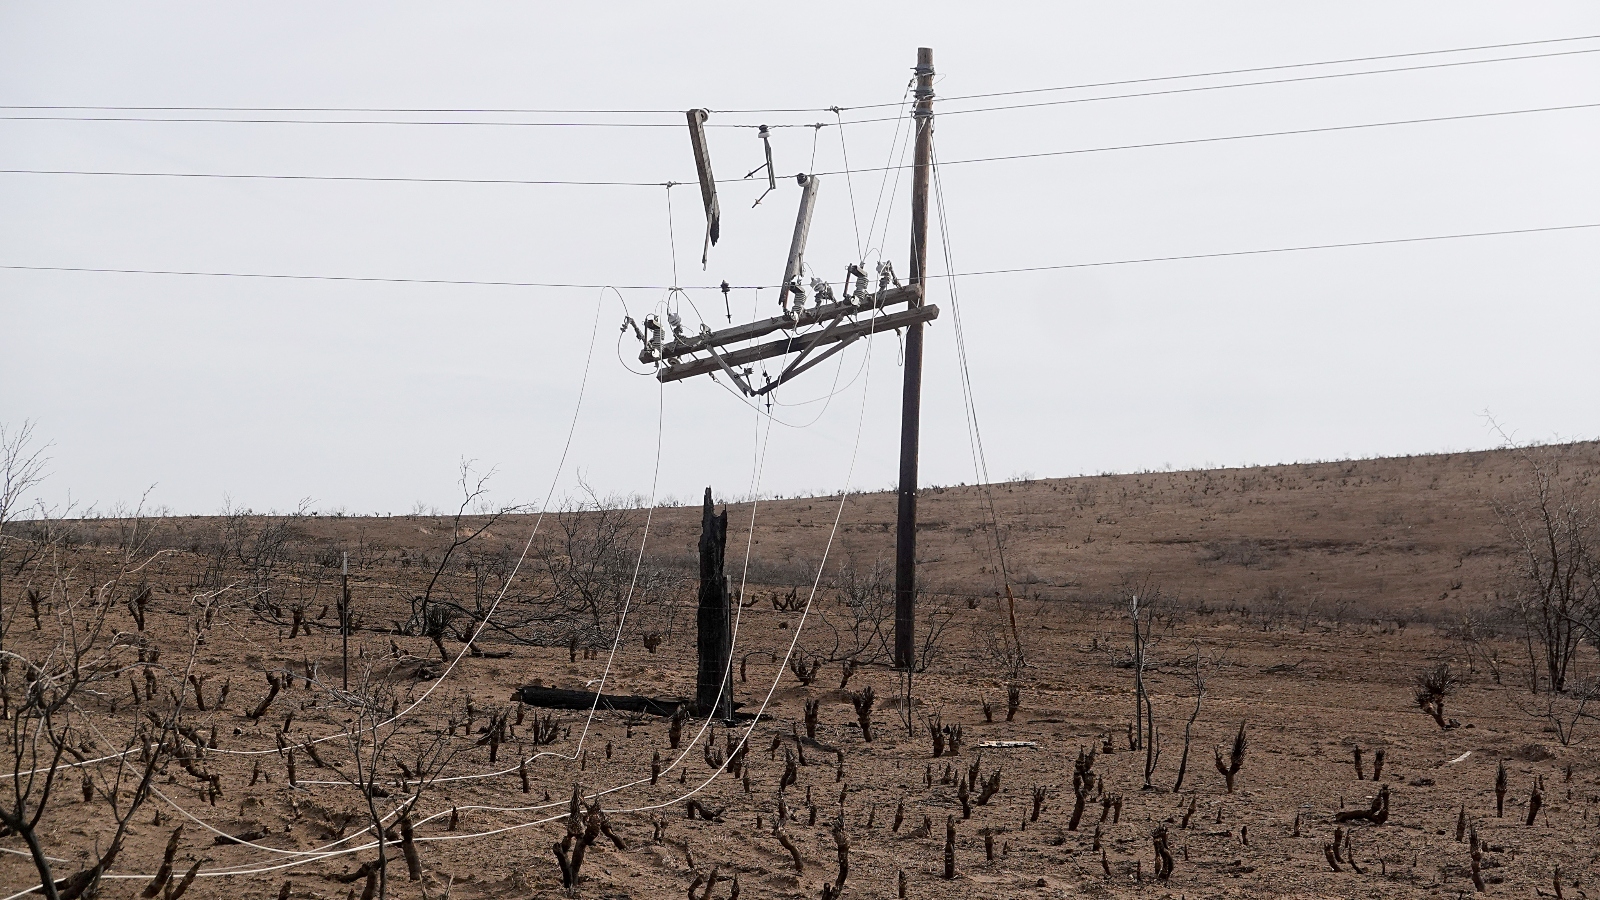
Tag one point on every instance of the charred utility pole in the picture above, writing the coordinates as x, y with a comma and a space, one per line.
905, 545
713, 689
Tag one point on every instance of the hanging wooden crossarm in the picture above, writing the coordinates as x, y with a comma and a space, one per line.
809, 184
816, 315
716, 358
708, 182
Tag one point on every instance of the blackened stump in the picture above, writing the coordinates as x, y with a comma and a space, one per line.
713, 682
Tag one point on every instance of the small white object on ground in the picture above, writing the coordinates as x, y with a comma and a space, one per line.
1461, 758
1008, 745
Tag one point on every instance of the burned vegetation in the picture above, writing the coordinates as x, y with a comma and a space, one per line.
301, 706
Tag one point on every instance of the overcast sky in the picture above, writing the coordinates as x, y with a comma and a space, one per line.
364, 396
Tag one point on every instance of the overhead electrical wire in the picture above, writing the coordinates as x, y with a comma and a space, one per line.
216, 120
1145, 145
1006, 271
392, 110
1221, 87
1274, 68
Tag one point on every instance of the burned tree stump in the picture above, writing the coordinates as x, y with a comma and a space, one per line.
713, 681
1377, 814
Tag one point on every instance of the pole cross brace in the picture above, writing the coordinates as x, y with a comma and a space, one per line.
689, 368
816, 315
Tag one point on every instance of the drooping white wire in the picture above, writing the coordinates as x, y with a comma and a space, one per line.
638, 564
555, 480
304, 857
307, 856
766, 701
522, 557
744, 738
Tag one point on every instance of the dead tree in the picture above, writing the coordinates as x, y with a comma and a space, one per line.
1377, 813
583, 827
1477, 863
841, 842
1082, 784
1188, 728
786, 843
56, 684
1235, 759
805, 672
1142, 621
989, 788
949, 847
1555, 530
1500, 785
373, 753
1431, 687
1163, 854
862, 701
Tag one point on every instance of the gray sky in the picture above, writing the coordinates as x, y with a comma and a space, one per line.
364, 396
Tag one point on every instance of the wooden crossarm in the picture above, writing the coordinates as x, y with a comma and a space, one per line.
816, 315
865, 326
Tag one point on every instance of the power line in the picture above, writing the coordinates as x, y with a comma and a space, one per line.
1242, 84
394, 110
1045, 268
1254, 69
953, 162
1259, 252
424, 110
286, 121
1270, 134
374, 279
356, 178
985, 109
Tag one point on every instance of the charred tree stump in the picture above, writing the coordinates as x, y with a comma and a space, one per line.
713, 681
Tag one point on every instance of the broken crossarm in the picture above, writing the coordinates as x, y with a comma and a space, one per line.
677, 371
816, 315
708, 183
802, 228
799, 364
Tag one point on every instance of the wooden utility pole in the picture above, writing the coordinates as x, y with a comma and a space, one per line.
905, 548
810, 335
713, 689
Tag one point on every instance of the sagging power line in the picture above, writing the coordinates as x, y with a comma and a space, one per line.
1260, 251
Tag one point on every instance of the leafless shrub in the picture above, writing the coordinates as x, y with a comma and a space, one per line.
1555, 585
1431, 687
862, 701
1235, 759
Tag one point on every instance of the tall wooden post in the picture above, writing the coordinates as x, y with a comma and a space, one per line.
905, 550
713, 689
344, 616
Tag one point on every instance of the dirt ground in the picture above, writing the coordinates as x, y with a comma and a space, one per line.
1309, 596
